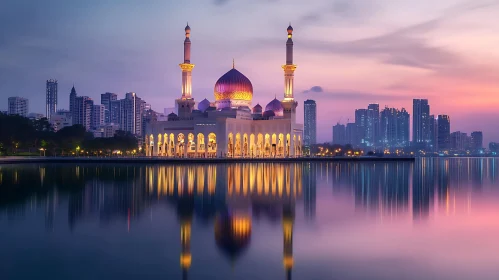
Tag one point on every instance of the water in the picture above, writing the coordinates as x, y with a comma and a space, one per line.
431, 219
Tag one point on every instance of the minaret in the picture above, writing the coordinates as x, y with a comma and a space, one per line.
186, 102
289, 102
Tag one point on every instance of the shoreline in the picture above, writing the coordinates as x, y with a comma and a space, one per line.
156, 160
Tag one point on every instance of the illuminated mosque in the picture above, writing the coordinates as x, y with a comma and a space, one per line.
229, 126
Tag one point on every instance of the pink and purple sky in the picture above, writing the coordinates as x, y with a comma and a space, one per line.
349, 52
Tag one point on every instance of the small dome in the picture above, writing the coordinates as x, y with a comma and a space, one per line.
203, 105
290, 28
187, 28
172, 115
275, 106
257, 109
244, 108
268, 114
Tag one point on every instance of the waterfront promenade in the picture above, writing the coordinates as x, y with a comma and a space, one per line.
156, 160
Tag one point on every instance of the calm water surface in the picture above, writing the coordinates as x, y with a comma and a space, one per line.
431, 219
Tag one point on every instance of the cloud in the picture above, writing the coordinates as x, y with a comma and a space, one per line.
314, 89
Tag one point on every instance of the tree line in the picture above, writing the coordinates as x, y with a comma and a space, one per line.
22, 136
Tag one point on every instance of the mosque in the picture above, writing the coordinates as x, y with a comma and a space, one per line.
229, 126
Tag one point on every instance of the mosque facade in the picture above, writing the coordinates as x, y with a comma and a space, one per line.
229, 126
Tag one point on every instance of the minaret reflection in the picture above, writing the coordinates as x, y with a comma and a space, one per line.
288, 218
309, 195
185, 209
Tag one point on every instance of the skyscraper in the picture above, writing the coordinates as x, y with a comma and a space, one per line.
389, 127
420, 122
98, 115
105, 99
477, 140
115, 112
132, 111
351, 133
433, 132
339, 134
83, 106
310, 123
18, 106
72, 100
372, 127
51, 97
459, 141
361, 124
403, 128
443, 132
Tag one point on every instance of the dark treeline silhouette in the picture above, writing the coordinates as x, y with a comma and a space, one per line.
22, 136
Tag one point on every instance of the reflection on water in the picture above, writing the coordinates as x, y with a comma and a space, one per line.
267, 220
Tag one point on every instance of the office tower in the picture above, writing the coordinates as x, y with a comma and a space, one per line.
132, 110
443, 137
361, 123
148, 116
115, 112
458, 141
389, 127
420, 122
372, 127
98, 116
105, 99
476, 140
339, 134
433, 132
310, 123
51, 97
72, 99
18, 106
403, 128
83, 106
351, 133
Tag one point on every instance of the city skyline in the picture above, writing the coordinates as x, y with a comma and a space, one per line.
418, 55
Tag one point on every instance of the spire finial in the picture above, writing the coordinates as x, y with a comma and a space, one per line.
233, 64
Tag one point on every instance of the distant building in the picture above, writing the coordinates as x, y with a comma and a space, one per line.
98, 116
394, 128
372, 125
476, 140
361, 124
433, 132
51, 98
403, 128
131, 113
106, 99
310, 123
72, 99
351, 133
36, 116
459, 141
115, 112
339, 134
18, 106
106, 131
443, 132
83, 111
420, 122
60, 121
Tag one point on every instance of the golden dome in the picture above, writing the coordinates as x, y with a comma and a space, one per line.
233, 86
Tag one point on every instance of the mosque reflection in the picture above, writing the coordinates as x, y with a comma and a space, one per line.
232, 195
230, 198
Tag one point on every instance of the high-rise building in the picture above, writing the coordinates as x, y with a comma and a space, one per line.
132, 110
115, 112
420, 122
403, 128
310, 123
361, 124
351, 133
105, 99
459, 141
389, 127
51, 98
339, 134
83, 111
72, 99
433, 132
18, 106
443, 133
98, 116
372, 126
477, 140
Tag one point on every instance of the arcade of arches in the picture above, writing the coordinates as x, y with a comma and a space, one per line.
238, 145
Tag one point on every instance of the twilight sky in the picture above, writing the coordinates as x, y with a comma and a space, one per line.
349, 52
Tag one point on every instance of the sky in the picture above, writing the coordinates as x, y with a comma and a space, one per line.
349, 53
